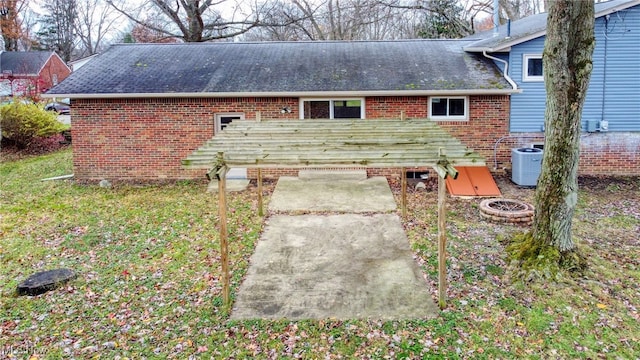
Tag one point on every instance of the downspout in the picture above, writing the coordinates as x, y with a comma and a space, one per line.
505, 73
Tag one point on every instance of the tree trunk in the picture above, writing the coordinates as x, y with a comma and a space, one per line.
567, 63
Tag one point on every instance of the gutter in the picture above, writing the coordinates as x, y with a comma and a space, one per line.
505, 73
287, 94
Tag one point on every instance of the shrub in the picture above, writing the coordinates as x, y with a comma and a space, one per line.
24, 122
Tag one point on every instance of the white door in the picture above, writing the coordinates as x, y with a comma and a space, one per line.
221, 121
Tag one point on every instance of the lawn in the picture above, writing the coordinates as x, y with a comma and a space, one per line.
149, 278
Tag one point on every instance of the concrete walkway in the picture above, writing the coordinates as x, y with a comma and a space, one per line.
346, 266
350, 196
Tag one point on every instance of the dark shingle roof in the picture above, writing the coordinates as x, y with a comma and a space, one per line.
224, 69
24, 62
531, 27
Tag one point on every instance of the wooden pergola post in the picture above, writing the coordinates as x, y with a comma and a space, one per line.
403, 179
404, 193
260, 201
224, 245
443, 169
442, 243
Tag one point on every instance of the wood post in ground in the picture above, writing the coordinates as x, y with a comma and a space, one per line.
224, 246
260, 201
442, 244
404, 193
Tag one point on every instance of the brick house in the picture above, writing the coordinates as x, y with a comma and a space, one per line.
30, 73
139, 109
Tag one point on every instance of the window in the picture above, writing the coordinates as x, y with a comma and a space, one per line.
448, 108
532, 68
332, 109
223, 119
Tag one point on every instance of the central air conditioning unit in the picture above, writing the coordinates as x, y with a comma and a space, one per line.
526, 165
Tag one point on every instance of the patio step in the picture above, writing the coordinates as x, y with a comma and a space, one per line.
332, 174
232, 185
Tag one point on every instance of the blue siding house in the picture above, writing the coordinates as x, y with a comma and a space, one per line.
611, 114
614, 91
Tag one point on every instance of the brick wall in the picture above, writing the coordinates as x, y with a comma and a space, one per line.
55, 67
488, 118
611, 153
145, 139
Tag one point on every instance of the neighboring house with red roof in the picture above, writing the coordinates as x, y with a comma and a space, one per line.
30, 73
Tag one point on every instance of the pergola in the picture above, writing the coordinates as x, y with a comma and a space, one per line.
333, 144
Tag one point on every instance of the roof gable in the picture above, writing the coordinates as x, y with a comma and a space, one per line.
24, 62
532, 27
282, 68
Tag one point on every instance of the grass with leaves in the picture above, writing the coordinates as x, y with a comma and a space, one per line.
149, 278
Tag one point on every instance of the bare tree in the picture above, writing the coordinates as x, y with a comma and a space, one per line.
335, 20
10, 23
194, 20
145, 34
567, 63
96, 20
58, 30
438, 18
508, 9
28, 22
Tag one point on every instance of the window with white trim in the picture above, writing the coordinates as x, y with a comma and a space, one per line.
351, 108
449, 108
223, 119
532, 67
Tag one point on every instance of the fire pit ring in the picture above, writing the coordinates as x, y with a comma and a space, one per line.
507, 210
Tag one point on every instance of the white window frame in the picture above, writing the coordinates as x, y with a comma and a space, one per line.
217, 119
464, 117
525, 68
331, 100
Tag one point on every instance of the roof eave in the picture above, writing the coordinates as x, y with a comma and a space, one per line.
479, 49
617, 8
505, 91
507, 45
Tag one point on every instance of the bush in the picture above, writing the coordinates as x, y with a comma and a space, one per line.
22, 123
